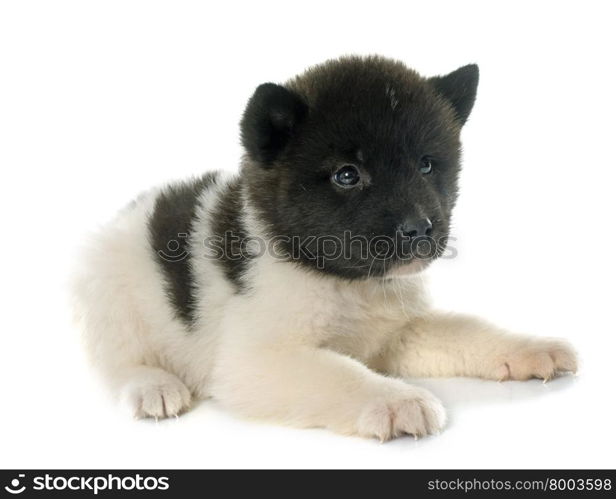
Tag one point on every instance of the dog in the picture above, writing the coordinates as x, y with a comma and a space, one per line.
292, 291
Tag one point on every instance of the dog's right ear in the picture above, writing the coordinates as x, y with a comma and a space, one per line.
459, 88
270, 118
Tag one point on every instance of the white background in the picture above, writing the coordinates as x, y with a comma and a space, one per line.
100, 100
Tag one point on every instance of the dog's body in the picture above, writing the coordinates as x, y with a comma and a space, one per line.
176, 305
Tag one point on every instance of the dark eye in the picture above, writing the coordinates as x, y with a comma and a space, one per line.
426, 165
347, 176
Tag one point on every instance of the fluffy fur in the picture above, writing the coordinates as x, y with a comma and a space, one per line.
191, 292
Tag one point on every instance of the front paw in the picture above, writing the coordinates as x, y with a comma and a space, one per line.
539, 358
412, 412
163, 396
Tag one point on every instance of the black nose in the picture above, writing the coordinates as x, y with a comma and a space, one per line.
413, 228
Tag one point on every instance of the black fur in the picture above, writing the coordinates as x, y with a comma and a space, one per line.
460, 88
270, 120
227, 227
170, 226
374, 113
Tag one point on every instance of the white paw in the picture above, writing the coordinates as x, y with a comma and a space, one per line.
541, 358
162, 396
414, 412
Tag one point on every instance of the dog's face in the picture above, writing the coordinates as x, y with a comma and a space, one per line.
354, 164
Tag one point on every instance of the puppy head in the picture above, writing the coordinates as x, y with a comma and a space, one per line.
353, 165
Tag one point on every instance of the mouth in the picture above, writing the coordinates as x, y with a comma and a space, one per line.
381, 257
402, 258
415, 257
410, 267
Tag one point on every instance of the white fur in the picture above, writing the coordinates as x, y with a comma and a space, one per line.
299, 348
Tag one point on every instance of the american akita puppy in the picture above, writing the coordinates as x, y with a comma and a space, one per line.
290, 291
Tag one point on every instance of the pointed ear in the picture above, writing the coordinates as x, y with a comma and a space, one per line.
270, 118
459, 88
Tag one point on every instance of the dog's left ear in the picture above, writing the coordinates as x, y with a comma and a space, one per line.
271, 116
459, 88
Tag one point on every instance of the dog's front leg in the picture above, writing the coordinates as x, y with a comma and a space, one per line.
447, 344
307, 386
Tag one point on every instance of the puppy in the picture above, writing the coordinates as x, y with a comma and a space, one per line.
291, 291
